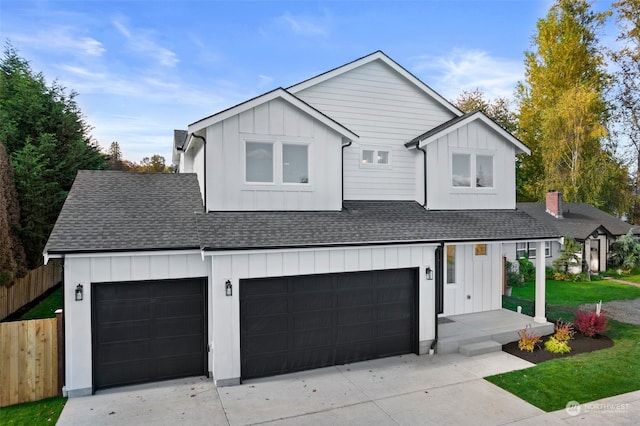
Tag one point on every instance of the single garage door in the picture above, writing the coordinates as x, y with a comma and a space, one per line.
303, 322
145, 331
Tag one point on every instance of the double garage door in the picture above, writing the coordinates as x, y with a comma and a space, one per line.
145, 331
302, 322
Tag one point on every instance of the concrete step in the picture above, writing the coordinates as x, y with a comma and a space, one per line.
479, 348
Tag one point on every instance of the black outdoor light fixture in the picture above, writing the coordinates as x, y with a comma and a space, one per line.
429, 272
228, 290
79, 293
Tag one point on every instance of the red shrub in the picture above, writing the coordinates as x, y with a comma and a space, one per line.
590, 323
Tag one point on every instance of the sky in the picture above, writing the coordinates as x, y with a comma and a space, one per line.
142, 68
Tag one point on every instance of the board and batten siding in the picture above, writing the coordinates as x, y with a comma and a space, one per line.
386, 111
87, 269
278, 122
478, 285
234, 267
475, 137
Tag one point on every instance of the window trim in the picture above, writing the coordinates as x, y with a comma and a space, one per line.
473, 172
376, 164
305, 184
278, 166
273, 163
531, 248
451, 278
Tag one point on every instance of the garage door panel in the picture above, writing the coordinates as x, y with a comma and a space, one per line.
326, 320
145, 331
267, 286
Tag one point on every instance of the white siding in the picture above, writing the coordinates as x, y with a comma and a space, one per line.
478, 285
476, 137
384, 110
277, 122
82, 269
234, 267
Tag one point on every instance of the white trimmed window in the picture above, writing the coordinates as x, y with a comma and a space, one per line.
374, 157
529, 250
471, 170
259, 162
451, 264
295, 163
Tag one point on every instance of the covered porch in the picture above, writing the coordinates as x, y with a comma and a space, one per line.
482, 332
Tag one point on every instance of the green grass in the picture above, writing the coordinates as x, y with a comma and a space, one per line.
586, 377
632, 278
577, 293
43, 412
46, 308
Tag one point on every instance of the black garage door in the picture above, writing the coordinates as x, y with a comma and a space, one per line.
302, 322
146, 331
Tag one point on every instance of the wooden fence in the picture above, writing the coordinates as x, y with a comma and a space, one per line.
31, 360
24, 290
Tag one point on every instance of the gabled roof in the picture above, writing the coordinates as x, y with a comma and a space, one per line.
127, 211
458, 122
579, 221
278, 93
364, 223
179, 140
376, 56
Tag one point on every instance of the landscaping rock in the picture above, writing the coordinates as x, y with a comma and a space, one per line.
620, 310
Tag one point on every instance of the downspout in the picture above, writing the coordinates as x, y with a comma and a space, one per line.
438, 283
342, 176
424, 160
204, 143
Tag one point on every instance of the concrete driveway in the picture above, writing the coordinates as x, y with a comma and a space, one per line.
405, 390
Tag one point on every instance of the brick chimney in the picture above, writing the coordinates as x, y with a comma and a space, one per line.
554, 204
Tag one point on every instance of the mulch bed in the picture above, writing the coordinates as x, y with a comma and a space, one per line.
579, 345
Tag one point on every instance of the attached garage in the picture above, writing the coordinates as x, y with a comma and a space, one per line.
302, 322
146, 331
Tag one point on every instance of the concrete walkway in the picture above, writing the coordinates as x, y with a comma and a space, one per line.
403, 390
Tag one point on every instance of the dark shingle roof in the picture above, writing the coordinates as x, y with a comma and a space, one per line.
111, 211
437, 129
364, 222
579, 219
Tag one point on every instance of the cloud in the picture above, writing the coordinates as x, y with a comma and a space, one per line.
61, 39
468, 69
307, 25
264, 80
142, 42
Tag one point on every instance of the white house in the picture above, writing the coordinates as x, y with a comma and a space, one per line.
326, 223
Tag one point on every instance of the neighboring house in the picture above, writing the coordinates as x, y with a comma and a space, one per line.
594, 229
341, 216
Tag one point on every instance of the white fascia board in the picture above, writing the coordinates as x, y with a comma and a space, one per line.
522, 240
269, 96
307, 249
129, 253
520, 147
376, 56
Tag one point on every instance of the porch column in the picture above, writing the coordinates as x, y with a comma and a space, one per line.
540, 283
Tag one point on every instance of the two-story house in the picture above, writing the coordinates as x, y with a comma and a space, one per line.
326, 223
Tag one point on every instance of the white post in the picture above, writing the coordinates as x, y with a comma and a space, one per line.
540, 283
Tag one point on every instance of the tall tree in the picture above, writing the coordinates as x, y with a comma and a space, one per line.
46, 136
498, 109
627, 91
563, 113
115, 157
155, 163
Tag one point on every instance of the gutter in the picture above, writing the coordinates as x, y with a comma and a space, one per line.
424, 159
342, 175
204, 186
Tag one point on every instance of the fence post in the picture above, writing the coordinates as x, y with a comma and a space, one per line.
60, 337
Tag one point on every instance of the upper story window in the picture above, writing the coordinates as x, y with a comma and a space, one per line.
261, 165
259, 162
374, 157
465, 166
295, 163
529, 250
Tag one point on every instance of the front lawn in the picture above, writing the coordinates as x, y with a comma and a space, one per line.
43, 412
563, 293
586, 377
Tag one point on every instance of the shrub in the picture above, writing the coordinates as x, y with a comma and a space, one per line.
556, 346
564, 331
591, 323
528, 339
625, 252
514, 277
527, 269
568, 255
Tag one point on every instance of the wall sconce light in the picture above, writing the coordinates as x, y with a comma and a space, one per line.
79, 293
228, 289
429, 272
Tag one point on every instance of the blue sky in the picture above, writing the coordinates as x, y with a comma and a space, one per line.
142, 68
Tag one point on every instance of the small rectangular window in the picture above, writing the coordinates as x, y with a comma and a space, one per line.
383, 157
484, 171
521, 250
367, 156
461, 170
259, 162
547, 248
481, 249
451, 264
295, 163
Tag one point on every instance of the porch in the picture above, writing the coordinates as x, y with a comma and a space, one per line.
482, 332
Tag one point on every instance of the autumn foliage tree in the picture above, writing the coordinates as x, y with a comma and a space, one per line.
563, 113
